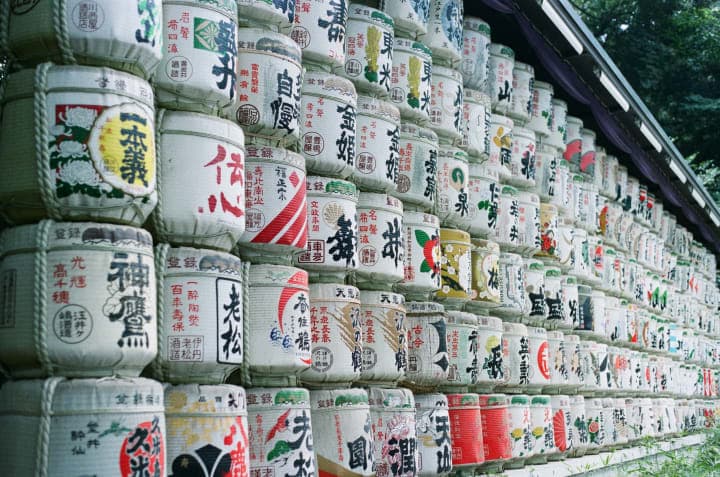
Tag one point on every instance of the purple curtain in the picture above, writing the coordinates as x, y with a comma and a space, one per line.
568, 80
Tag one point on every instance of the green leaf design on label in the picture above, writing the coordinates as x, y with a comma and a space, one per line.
421, 236
424, 267
281, 447
205, 33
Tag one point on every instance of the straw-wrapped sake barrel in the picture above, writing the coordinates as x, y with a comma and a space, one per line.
100, 32
79, 300
377, 154
275, 15
445, 31
380, 244
432, 420
392, 412
411, 17
410, 80
207, 430
208, 153
384, 336
200, 315
82, 143
58, 427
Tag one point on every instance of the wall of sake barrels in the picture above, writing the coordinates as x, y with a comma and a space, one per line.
303, 237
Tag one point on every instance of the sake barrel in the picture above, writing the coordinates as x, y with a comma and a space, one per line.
576, 377
446, 102
587, 159
512, 286
485, 275
462, 343
276, 205
596, 252
538, 373
198, 71
563, 198
632, 194
380, 244
432, 421
476, 124
421, 264
579, 434
410, 79
500, 77
609, 176
275, 15
599, 166
87, 292
466, 431
346, 446
522, 158
279, 319
455, 268
319, 29
592, 318
332, 229
558, 362
327, 124
92, 154
552, 289
562, 423
369, 38
541, 110
564, 250
535, 291
207, 429
98, 33
620, 423
89, 426
212, 212
641, 205
541, 428
547, 184
501, 144
445, 32
608, 423
276, 417
621, 180
269, 86
507, 232
574, 143
201, 313
520, 430
335, 335
588, 354
475, 53
495, 427
516, 356
410, 17
378, 145
558, 134
484, 192
523, 77
427, 344
384, 336
417, 167
569, 295
452, 205
490, 352
548, 232
392, 412
580, 259
609, 224
529, 223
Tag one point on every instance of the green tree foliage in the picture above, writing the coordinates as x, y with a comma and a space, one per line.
669, 50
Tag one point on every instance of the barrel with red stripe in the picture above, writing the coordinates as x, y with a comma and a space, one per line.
573, 142
276, 205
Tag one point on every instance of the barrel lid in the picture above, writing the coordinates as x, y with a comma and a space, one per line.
502, 120
555, 335
520, 400
380, 201
509, 257
339, 398
362, 12
534, 265
453, 235
182, 260
490, 323
83, 396
220, 399
391, 398
484, 171
572, 339
420, 219
584, 289
489, 245
263, 398
574, 120
543, 85
588, 132
431, 401
548, 207
318, 83
449, 152
25, 239
609, 251
577, 399
265, 41
537, 332
515, 329
608, 402
424, 307
560, 401
477, 97
476, 24
494, 401
463, 401
413, 47
197, 124
415, 132
328, 185
560, 103
553, 272
382, 298
499, 49
277, 275
445, 72
461, 318
524, 132
509, 190
541, 400
323, 292
370, 106
520, 66
529, 197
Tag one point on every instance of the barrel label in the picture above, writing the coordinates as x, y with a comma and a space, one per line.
229, 321
143, 450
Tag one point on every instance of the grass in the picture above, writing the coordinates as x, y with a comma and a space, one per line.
702, 461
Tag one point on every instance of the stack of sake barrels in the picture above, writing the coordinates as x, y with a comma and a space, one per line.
374, 220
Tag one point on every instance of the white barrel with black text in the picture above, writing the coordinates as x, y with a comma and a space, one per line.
380, 241
377, 151
417, 168
319, 29
432, 421
445, 32
384, 337
392, 413
411, 79
475, 54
